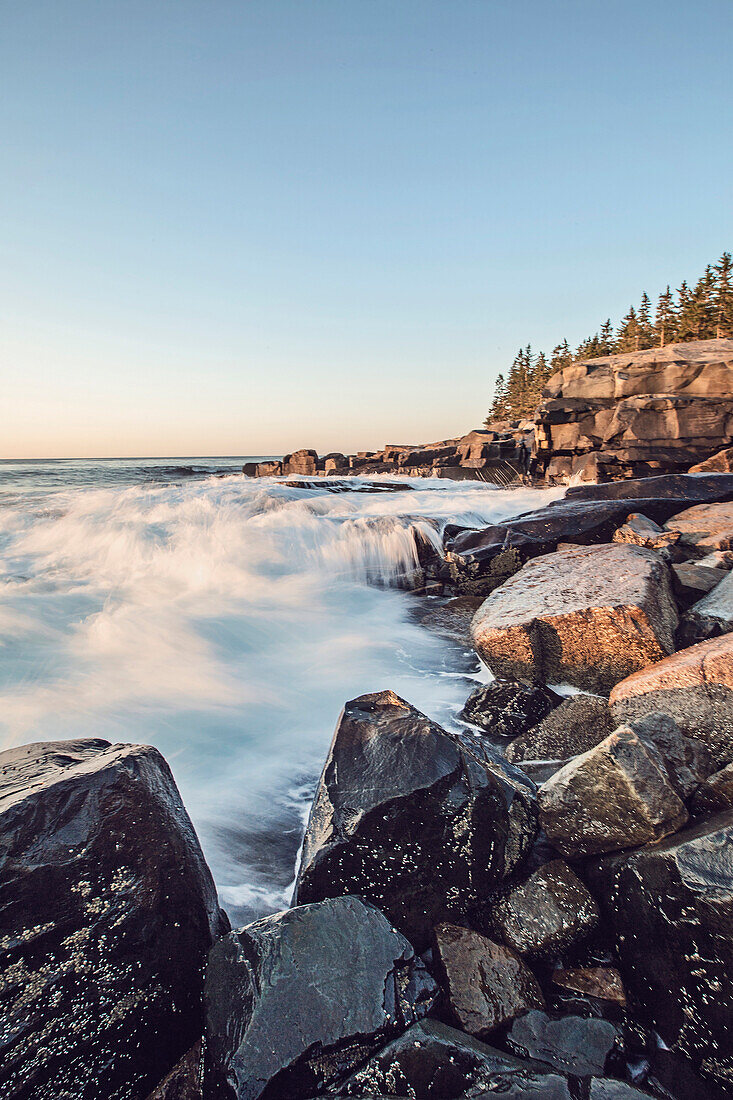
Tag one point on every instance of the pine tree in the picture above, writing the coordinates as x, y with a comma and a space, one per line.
607, 339
644, 319
628, 333
498, 410
561, 357
665, 321
723, 296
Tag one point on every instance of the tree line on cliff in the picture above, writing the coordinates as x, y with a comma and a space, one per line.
700, 312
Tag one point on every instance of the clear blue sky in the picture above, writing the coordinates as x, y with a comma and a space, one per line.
243, 227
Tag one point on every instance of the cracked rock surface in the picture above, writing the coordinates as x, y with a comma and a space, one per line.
417, 820
107, 910
294, 1002
546, 913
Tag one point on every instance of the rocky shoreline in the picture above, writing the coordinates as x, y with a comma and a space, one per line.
541, 905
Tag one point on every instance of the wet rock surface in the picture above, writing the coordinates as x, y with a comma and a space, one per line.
688, 762
710, 617
413, 818
579, 723
546, 913
694, 686
715, 793
108, 913
432, 1061
506, 708
571, 1044
294, 1002
615, 796
452, 618
184, 1080
484, 984
671, 908
603, 983
584, 617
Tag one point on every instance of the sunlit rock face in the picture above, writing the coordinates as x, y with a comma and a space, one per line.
296, 1001
413, 818
107, 911
587, 617
637, 413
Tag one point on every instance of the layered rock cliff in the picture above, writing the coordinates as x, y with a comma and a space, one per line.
636, 414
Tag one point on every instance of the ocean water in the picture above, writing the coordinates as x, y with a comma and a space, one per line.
177, 603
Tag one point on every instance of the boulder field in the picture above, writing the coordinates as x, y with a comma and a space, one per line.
535, 903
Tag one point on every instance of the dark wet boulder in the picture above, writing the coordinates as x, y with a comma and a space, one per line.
450, 618
415, 819
587, 617
107, 913
506, 708
668, 491
432, 1061
576, 1045
617, 795
296, 1001
606, 1088
578, 724
184, 1080
484, 984
670, 906
601, 983
694, 686
546, 913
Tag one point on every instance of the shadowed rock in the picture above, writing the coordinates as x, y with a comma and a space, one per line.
602, 983
108, 913
546, 913
719, 463
294, 1002
434, 1062
617, 795
691, 581
507, 708
586, 617
485, 984
639, 530
184, 1080
578, 724
715, 794
688, 762
693, 686
709, 617
704, 527
413, 818
671, 908
570, 1044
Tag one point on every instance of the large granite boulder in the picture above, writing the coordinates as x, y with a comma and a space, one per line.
671, 908
617, 795
484, 984
578, 724
304, 461
704, 527
107, 914
693, 686
432, 1061
545, 914
587, 617
296, 1001
687, 761
413, 818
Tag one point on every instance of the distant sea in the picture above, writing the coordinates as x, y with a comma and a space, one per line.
225, 620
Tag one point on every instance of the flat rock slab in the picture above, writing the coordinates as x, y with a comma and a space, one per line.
415, 819
586, 617
617, 795
706, 527
670, 906
571, 1044
108, 911
578, 724
485, 984
602, 983
435, 1062
294, 1002
546, 913
693, 686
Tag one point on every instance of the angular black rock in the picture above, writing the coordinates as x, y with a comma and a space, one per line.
575, 1045
107, 913
546, 913
688, 762
604, 1088
413, 818
434, 1062
294, 1002
507, 708
671, 908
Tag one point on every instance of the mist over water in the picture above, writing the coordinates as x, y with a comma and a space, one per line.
225, 621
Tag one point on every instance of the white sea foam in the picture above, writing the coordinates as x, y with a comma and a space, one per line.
225, 621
